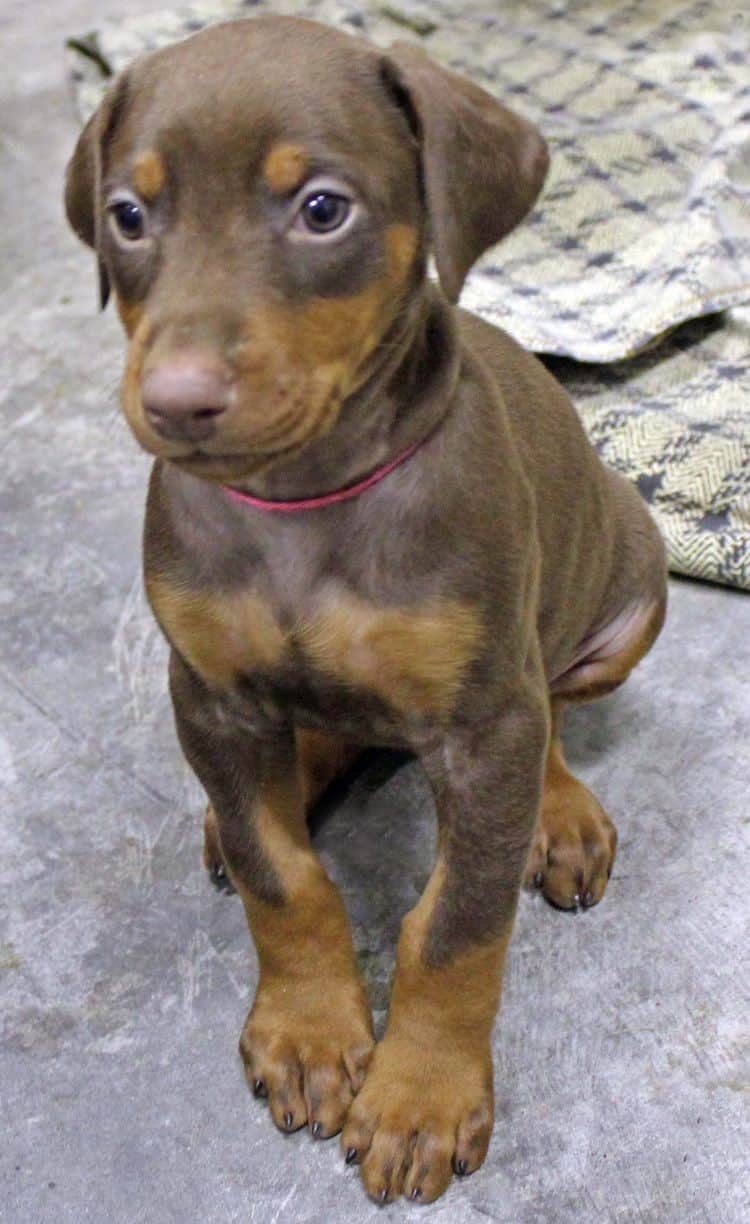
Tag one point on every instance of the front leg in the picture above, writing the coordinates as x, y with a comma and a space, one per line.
308, 1038
426, 1107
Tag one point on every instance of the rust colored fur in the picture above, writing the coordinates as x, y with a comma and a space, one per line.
453, 608
284, 167
149, 175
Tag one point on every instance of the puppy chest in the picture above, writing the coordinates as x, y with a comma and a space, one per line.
413, 659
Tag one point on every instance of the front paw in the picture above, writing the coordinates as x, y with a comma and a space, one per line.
306, 1046
422, 1114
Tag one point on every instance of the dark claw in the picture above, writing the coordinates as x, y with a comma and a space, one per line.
315, 1129
351, 1154
220, 879
588, 899
609, 873
383, 1195
462, 1168
416, 1193
259, 1088
288, 1120
538, 879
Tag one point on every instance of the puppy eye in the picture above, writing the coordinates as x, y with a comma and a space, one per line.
324, 211
129, 219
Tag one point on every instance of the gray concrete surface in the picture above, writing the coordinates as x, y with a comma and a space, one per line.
622, 1049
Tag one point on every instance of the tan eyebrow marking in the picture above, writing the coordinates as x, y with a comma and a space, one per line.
148, 174
285, 167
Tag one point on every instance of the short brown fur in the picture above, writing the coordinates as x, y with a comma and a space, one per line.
452, 609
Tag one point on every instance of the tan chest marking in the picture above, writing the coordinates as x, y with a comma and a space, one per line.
221, 636
413, 659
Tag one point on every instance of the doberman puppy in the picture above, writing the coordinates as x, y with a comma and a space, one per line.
373, 519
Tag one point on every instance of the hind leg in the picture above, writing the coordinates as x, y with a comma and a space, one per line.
575, 841
321, 758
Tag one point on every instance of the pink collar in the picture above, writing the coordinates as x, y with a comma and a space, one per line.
325, 499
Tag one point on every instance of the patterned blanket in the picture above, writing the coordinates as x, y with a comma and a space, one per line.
641, 236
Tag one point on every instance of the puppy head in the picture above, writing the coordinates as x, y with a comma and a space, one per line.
261, 198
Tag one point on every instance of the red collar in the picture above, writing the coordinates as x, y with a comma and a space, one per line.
325, 499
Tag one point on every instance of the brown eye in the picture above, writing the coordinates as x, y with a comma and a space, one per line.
324, 211
129, 219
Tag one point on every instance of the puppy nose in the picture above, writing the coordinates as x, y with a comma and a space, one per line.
183, 397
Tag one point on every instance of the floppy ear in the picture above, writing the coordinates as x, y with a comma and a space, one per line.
83, 185
483, 167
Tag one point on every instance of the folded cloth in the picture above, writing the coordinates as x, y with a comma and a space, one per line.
644, 222
676, 421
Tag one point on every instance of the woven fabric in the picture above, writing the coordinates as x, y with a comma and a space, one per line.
643, 225
676, 422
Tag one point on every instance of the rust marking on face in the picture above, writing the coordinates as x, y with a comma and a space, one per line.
331, 337
149, 175
285, 167
400, 247
345, 330
300, 361
139, 328
130, 314
414, 659
222, 636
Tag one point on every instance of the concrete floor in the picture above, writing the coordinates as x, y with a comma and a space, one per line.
622, 1049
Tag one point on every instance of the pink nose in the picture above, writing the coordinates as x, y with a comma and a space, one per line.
184, 396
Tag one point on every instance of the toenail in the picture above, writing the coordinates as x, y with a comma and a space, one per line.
220, 872
288, 1119
315, 1129
383, 1194
416, 1193
588, 899
462, 1168
259, 1088
351, 1154
576, 901
609, 873
538, 879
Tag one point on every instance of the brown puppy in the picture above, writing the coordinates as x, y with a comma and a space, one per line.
262, 199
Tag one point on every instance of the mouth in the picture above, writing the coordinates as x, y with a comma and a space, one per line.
264, 452
232, 465
221, 467
296, 422
199, 456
